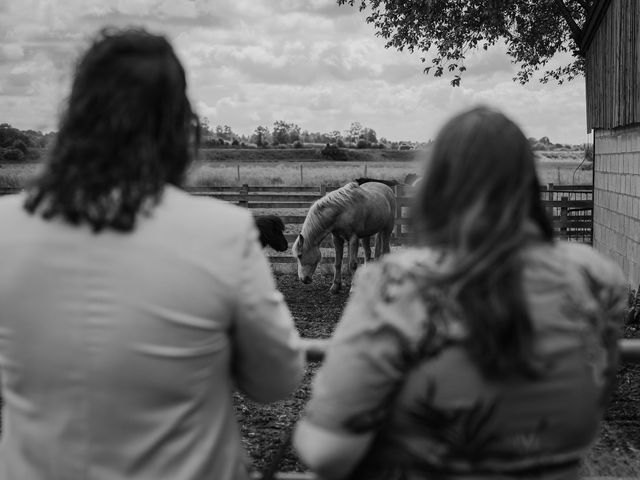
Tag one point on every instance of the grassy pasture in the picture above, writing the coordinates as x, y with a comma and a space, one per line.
337, 173
313, 173
306, 166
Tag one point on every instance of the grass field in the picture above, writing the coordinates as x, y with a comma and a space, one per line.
233, 167
337, 173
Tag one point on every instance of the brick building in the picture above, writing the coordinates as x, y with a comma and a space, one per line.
612, 50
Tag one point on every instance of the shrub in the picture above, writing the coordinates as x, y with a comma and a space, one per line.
362, 143
11, 155
235, 142
333, 152
20, 145
297, 144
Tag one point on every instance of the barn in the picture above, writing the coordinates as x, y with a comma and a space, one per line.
611, 44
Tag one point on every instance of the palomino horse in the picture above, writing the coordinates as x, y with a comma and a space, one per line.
349, 213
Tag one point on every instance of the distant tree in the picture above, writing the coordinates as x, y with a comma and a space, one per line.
445, 31
279, 132
334, 136
260, 136
353, 134
369, 134
205, 128
285, 132
228, 133
294, 133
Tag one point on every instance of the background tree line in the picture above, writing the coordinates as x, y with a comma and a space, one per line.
284, 133
16, 145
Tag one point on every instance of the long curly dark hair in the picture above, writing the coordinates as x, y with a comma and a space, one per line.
480, 202
128, 129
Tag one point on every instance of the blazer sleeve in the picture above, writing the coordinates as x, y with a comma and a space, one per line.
268, 361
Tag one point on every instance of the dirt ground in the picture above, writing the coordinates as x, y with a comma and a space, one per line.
316, 313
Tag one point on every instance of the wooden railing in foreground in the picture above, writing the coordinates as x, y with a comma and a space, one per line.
629, 349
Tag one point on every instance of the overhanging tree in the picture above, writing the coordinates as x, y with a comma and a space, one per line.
445, 31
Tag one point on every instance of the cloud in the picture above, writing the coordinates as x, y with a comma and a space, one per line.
252, 62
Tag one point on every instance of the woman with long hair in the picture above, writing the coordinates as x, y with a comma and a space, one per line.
130, 310
485, 351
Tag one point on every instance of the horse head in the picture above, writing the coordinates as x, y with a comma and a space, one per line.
271, 230
308, 256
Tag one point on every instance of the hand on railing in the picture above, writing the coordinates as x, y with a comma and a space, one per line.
629, 350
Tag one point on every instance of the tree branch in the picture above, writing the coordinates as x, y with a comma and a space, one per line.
576, 31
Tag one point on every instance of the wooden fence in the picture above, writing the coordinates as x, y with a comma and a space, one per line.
570, 208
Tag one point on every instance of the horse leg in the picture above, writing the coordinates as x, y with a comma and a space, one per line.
386, 240
338, 245
354, 243
378, 245
366, 245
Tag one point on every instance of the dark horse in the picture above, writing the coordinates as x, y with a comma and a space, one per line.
271, 229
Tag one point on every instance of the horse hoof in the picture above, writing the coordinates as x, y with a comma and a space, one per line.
335, 288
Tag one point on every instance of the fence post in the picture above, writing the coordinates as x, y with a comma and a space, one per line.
238, 172
301, 177
323, 190
549, 195
564, 215
365, 171
244, 196
398, 227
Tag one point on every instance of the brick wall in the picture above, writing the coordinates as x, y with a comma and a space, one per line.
616, 196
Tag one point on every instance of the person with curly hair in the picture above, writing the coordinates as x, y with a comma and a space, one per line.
486, 351
131, 310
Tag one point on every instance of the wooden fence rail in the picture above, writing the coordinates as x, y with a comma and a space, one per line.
570, 207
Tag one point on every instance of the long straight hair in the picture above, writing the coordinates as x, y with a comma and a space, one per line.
480, 202
127, 130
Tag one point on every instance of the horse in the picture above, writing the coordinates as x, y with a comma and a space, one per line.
349, 213
271, 230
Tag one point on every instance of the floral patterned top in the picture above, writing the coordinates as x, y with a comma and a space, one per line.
397, 366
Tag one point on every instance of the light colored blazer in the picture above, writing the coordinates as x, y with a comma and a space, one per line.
119, 352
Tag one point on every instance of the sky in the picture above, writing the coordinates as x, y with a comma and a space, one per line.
252, 62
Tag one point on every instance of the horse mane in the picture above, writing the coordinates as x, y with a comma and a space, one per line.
389, 183
315, 223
